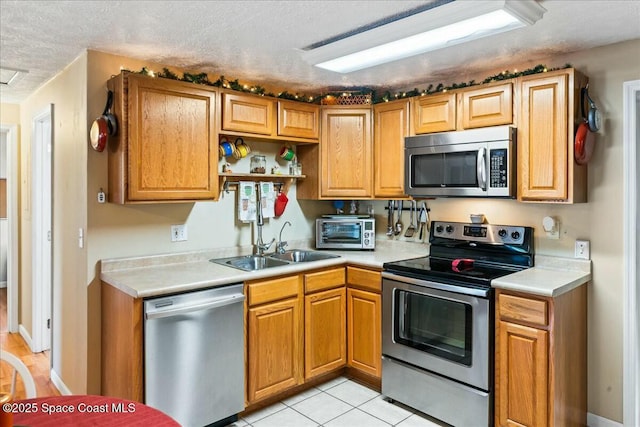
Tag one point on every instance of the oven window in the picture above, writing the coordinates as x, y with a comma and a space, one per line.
457, 169
438, 326
342, 232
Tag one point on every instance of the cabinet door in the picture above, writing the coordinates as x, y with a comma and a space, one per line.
522, 383
434, 113
250, 114
172, 147
391, 125
325, 332
298, 120
274, 352
346, 161
364, 331
542, 139
488, 106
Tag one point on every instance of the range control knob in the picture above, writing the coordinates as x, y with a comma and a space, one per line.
515, 235
449, 229
439, 229
502, 233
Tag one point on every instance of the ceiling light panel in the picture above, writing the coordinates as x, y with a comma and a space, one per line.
445, 26
10, 76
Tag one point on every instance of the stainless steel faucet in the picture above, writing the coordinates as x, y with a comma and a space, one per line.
281, 245
260, 245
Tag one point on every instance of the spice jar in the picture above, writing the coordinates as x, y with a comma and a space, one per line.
258, 164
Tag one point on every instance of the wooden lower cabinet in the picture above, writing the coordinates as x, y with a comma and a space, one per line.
541, 359
274, 336
324, 331
364, 331
523, 374
274, 341
364, 321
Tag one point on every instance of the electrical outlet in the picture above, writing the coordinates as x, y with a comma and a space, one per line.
583, 250
179, 233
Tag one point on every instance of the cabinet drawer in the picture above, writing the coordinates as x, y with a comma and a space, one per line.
521, 309
272, 290
365, 279
327, 279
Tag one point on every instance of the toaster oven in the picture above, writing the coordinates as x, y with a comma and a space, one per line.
345, 232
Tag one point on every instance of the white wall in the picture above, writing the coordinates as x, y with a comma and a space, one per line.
4, 230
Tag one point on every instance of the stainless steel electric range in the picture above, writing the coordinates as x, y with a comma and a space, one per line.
438, 320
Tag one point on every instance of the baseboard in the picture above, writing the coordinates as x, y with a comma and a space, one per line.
25, 335
61, 386
597, 421
3, 284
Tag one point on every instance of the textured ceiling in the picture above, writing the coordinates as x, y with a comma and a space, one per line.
259, 41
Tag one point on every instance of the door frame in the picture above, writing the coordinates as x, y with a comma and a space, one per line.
42, 253
631, 237
13, 272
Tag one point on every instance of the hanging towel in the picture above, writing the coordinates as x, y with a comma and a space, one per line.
268, 199
246, 201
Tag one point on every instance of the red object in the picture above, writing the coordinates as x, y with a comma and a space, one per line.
281, 203
461, 264
87, 410
584, 144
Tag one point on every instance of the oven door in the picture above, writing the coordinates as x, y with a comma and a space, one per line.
339, 234
428, 325
447, 170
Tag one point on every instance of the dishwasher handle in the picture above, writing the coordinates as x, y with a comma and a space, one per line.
189, 308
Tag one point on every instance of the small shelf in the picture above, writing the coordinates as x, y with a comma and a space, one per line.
284, 180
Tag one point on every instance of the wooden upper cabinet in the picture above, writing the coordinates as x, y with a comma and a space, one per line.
166, 146
346, 153
546, 167
434, 113
248, 114
298, 120
487, 106
391, 126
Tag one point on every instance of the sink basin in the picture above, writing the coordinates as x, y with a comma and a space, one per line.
250, 262
299, 255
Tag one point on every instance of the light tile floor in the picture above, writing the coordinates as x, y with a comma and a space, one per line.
338, 403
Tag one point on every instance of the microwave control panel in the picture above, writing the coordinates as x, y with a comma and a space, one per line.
498, 168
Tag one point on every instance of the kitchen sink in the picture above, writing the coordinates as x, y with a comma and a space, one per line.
257, 262
300, 255
250, 262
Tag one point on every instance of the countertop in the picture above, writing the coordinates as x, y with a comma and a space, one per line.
551, 276
144, 277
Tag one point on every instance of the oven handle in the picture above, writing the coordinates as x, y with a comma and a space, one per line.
481, 169
476, 292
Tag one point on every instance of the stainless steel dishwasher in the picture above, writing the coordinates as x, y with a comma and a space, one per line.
194, 355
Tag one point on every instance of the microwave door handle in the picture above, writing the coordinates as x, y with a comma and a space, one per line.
481, 169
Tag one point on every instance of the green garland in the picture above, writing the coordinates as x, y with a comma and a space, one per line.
203, 78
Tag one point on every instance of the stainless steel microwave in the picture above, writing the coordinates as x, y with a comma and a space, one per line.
345, 232
471, 163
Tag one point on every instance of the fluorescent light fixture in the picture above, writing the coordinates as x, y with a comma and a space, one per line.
9, 76
443, 26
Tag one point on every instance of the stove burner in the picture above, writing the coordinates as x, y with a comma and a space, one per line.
469, 259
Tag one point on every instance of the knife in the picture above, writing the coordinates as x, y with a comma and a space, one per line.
423, 219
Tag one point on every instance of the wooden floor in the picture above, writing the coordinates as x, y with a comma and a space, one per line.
38, 363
